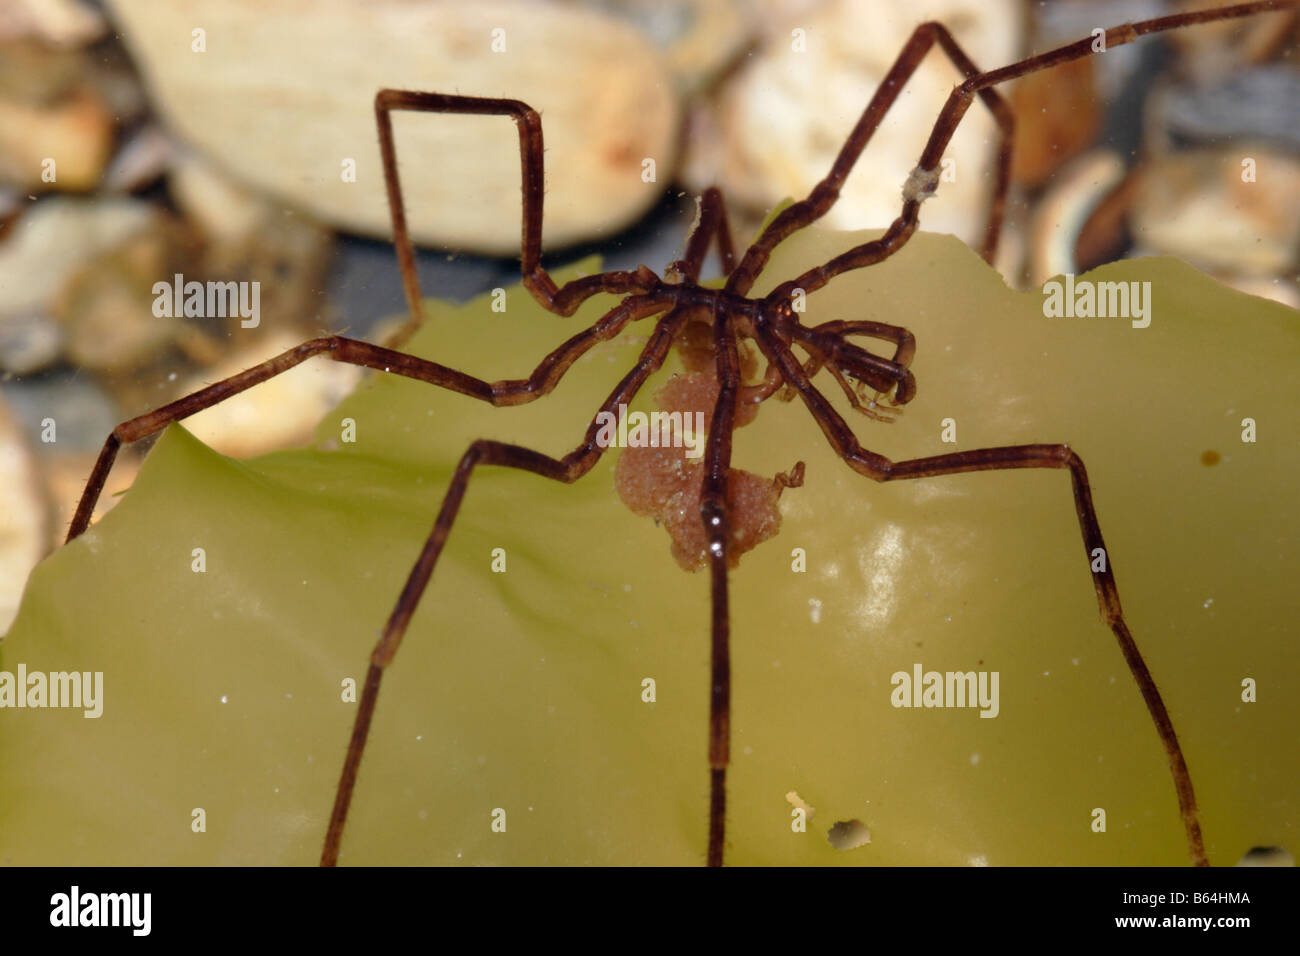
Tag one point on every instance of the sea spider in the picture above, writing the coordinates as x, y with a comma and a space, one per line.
683, 308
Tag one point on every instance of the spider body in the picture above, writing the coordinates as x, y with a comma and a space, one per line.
716, 323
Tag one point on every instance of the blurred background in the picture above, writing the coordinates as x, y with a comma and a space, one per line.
234, 140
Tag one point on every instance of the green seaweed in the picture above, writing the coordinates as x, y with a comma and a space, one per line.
523, 690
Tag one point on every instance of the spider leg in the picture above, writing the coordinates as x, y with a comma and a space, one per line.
880, 468
881, 374
904, 341
482, 452
819, 361
859, 257
924, 177
981, 83
562, 301
712, 221
717, 530
1061, 456
826, 192
506, 392
762, 391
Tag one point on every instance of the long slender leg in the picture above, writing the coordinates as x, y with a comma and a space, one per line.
880, 468
826, 192
869, 253
1061, 456
712, 221
841, 436
567, 469
960, 98
506, 392
717, 528
837, 353
562, 301
904, 341
820, 358
924, 178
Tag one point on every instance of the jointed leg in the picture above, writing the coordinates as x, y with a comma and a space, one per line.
1061, 456
562, 301
960, 98
828, 344
880, 468
826, 192
904, 341
923, 179
712, 220
905, 348
506, 392
567, 469
819, 360
717, 529
859, 257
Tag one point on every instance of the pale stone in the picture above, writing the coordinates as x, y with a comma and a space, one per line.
284, 94
24, 515
141, 160
225, 211
275, 414
1205, 207
56, 236
60, 23
781, 120
63, 146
